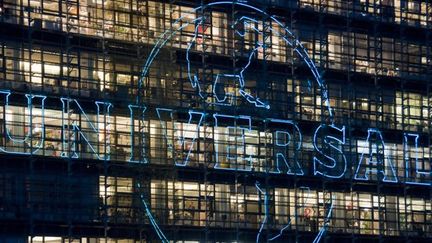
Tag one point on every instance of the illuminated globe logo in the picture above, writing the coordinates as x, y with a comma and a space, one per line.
232, 86
240, 28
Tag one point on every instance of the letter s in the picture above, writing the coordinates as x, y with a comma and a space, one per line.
325, 163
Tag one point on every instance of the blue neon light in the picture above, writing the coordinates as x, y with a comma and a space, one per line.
286, 35
152, 220
379, 163
229, 157
27, 140
326, 165
70, 151
418, 171
281, 231
266, 210
295, 168
228, 99
142, 155
326, 221
180, 138
195, 82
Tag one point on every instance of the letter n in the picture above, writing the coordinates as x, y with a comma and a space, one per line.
83, 133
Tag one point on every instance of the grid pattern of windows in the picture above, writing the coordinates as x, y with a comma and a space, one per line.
65, 55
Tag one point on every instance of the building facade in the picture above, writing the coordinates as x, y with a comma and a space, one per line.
215, 121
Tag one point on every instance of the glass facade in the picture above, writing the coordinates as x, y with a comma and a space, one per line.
147, 121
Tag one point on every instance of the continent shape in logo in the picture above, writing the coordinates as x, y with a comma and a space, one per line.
223, 98
240, 28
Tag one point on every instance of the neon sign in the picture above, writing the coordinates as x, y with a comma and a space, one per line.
231, 151
27, 139
262, 191
137, 113
180, 138
229, 140
223, 97
325, 164
419, 174
291, 135
375, 160
71, 129
239, 77
230, 155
